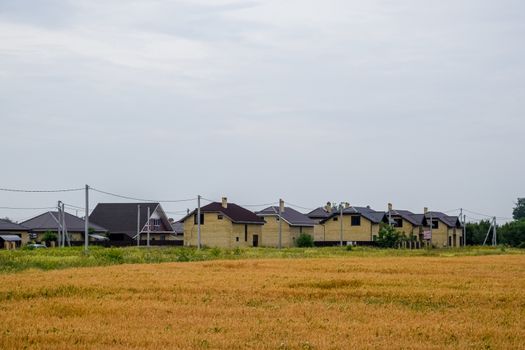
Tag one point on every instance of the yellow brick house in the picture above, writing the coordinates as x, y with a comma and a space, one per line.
12, 235
359, 224
405, 221
447, 231
293, 224
224, 225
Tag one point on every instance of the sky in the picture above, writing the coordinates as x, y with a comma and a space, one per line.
417, 103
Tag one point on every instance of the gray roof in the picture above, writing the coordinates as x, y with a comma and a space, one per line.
290, 215
178, 227
122, 217
374, 216
450, 221
6, 225
48, 221
414, 219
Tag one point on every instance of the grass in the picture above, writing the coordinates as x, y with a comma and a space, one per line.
339, 300
51, 259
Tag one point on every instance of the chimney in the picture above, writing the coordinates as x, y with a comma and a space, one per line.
425, 210
389, 206
281, 205
347, 205
328, 207
224, 202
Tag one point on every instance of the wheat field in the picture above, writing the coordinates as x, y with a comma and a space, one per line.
337, 303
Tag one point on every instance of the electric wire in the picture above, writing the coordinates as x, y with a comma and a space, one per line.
142, 199
40, 191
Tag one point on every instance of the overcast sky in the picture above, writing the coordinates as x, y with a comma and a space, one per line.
418, 103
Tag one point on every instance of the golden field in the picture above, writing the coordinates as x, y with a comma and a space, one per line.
475, 302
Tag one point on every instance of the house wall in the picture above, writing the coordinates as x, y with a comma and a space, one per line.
270, 233
220, 233
363, 232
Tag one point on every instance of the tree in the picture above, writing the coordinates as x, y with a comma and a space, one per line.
477, 231
513, 233
305, 240
49, 236
519, 210
388, 237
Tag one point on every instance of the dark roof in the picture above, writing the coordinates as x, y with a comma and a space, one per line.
236, 213
374, 216
178, 227
49, 221
6, 225
319, 213
450, 221
290, 215
122, 217
414, 219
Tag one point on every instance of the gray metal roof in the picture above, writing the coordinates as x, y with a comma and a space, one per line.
414, 219
450, 221
374, 216
48, 221
290, 215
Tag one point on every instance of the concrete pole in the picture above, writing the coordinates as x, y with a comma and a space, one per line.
86, 221
464, 230
341, 223
281, 203
149, 221
199, 222
59, 225
495, 235
138, 225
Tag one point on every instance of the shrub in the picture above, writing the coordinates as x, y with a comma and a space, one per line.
388, 237
49, 236
305, 240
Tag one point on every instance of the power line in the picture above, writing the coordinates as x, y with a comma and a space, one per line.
40, 191
142, 199
260, 205
25, 208
298, 206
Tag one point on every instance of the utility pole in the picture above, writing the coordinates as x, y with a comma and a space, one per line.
59, 222
199, 221
138, 225
464, 230
341, 223
495, 235
431, 226
65, 235
86, 221
281, 205
149, 220
463, 222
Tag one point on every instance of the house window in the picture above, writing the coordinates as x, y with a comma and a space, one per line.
246, 233
237, 239
435, 224
219, 217
155, 224
162, 237
398, 222
300, 230
195, 219
356, 221
336, 218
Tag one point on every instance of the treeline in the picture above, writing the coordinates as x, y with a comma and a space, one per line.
511, 233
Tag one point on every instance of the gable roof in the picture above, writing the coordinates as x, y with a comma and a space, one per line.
290, 215
414, 219
6, 225
122, 217
450, 221
48, 221
374, 216
236, 213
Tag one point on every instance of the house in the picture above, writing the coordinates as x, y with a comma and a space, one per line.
293, 224
406, 222
223, 224
12, 235
124, 221
75, 227
447, 231
360, 224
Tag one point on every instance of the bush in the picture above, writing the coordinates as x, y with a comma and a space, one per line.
305, 240
388, 237
49, 236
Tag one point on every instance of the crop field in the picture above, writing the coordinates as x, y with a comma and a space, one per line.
413, 302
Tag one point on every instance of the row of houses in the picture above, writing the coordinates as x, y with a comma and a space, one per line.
229, 225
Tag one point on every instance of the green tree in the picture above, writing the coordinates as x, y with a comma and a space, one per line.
49, 236
513, 233
388, 237
477, 231
519, 210
305, 240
